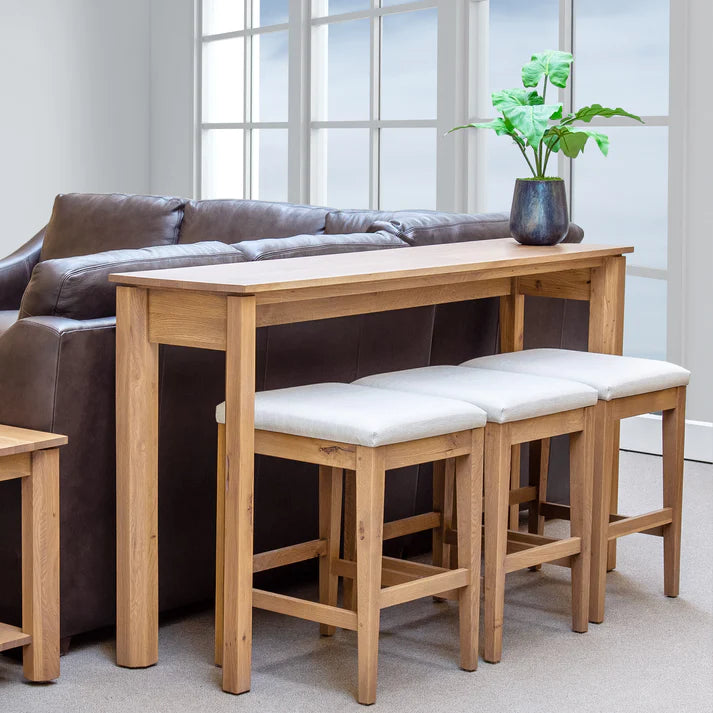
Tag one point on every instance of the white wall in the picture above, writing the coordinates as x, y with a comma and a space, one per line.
75, 105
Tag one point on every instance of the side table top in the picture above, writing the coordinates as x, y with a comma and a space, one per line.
15, 440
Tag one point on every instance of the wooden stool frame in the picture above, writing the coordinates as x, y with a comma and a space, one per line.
33, 457
607, 524
402, 581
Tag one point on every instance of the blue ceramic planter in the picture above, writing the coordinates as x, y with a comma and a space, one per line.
539, 214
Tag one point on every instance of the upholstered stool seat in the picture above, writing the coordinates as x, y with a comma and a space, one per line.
365, 431
613, 376
520, 408
627, 386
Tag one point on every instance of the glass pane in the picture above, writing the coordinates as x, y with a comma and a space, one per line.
223, 63
517, 30
341, 166
408, 169
222, 165
320, 8
269, 164
409, 58
645, 318
624, 198
622, 54
270, 12
222, 16
270, 77
340, 80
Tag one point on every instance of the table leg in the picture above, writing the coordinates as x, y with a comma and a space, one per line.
136, 482
606, 335
239, 477
512, 337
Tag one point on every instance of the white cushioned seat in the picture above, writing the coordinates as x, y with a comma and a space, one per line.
359, 415
504, 396
612, 376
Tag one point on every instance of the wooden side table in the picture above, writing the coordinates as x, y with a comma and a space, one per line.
34, 457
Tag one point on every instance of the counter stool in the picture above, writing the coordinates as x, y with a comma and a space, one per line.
519, 408
627, 386
33, 456
367, 431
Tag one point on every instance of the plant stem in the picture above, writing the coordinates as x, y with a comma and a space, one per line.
534, 173
547, 156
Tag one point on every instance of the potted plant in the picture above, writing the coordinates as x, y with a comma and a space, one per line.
539, 213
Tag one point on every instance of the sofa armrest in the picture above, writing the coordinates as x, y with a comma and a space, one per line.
79, 287
305, 245
15, 271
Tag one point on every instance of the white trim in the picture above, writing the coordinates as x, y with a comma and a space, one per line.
643, 434
374, 10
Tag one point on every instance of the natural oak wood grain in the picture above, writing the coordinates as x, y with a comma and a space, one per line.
572, 285
15, 466
500, 258
40, 567
12, 636
330, 522
219, 545
23, 440
136, 483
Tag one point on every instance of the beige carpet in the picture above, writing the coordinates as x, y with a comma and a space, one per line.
651, 654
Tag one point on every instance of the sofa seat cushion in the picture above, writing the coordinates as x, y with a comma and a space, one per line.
504, 396
359, 415
232, 221
85, 223
305, 245
430, 227
613, 377
79, 287
8, 317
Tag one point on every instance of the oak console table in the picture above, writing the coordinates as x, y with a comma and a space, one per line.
219, 307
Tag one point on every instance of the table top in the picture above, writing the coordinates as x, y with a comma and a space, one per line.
253, 278
21, 440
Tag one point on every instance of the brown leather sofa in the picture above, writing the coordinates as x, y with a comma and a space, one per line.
57, 361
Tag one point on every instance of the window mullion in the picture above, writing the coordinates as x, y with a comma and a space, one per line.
375, 110
566, 96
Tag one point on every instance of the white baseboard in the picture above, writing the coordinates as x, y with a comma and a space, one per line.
643, 434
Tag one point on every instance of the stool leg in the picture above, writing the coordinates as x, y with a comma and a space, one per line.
539, 467
370, 522
440, 554
604, 440
469, 484
219, 545
497, 487
674, 426
349, 589
581, 447
40, 566
330, 519
614, 504
515, 455
450, 510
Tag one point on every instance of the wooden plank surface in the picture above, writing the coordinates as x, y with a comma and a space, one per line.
21, 440
364, 267
12, 636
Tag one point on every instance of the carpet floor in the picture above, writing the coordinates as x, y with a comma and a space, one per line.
651, 654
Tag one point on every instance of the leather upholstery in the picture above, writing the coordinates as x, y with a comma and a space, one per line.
232, 221
305, 245
79, 287
7, 319
84, 223
15, 271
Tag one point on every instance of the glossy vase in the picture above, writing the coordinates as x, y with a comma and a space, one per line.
539, 214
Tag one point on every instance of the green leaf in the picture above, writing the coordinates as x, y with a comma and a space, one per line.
515, 97
573, 141
532, 121
553, 64
587, 113
499, 126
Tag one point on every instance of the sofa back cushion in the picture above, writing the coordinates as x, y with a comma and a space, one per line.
232, 221
79, 288
85, 223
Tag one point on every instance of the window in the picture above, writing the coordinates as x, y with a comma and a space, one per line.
345, 103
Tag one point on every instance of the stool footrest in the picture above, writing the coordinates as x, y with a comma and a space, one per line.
651, 523
304, 609
289, 555
542, 553
424, 587
410, 525
12, 636
525, 494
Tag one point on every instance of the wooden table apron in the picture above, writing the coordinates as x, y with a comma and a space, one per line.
151, 315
